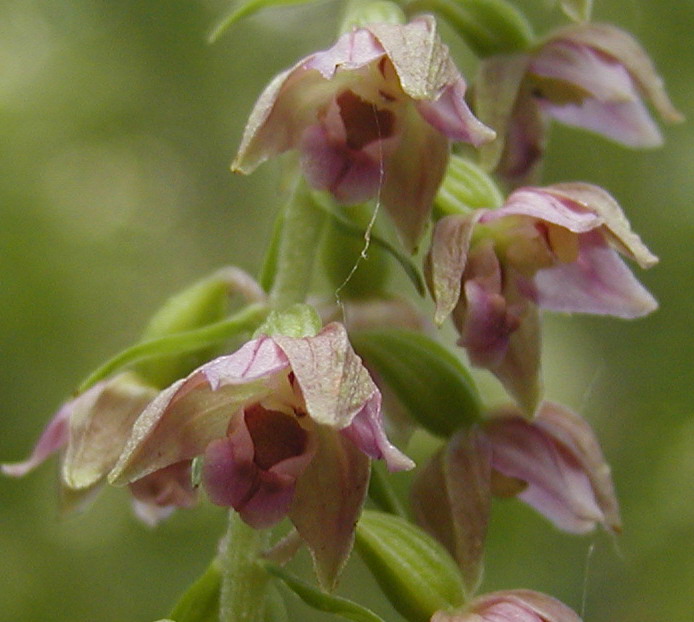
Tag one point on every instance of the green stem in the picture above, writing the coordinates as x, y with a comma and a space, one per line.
302, 227
244, 580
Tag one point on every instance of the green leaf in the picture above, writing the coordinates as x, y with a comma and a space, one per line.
321, 601
188, 341
429, 381
346, 226
246, 9
414, 571
299, 320
487, 26
200, 602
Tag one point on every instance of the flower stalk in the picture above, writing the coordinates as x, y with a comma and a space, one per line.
244, 581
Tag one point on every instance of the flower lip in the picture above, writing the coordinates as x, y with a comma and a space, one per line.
276, 436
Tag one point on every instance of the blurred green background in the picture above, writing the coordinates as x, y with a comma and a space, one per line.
117, 125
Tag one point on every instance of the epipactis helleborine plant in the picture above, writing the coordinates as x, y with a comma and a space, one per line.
372, 115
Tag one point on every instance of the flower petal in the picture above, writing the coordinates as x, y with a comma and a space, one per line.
413, 175
598, 282
601, 203
333, 382
447, 259
621, 46
327, 502
515, 606
450, 115
98, 431
497, 86
367, 432
53, 438
558, 486
183, 419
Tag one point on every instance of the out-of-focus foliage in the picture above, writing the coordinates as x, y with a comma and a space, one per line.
118, 122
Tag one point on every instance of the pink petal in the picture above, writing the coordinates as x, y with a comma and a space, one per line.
628, 122
542, 204
598, 282
183, 419
53, 438
450, 115
159, 493
621, 46
350, 176
367, 432
517, 606
558, 487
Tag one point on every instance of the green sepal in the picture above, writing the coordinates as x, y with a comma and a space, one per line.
360, 14
465, 187
189, 341
429, 381
414, 571
200, 602
299, 320
246, 9
201, 304
487, 26
349, 228
578, 10
266, 278
322, 601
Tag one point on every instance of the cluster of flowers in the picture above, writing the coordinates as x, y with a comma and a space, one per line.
286, 426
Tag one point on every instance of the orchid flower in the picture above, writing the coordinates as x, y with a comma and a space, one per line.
285, 426
91, 431
510, 606
555, 248
372, 116
591, 76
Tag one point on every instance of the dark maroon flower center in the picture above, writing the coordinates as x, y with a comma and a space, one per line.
276, 436
363, 121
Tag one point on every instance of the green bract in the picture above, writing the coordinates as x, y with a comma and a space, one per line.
487, 26
200, 602
297, 321
414, 571
432, 384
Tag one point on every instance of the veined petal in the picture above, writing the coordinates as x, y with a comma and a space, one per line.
421, 60
98, 431
333, 382
513, 606
598, 282
496, 90
181, 421
447, 259
542, 204
621, 46
413, 175
574, 432
328, 500
557, 484
601, 203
